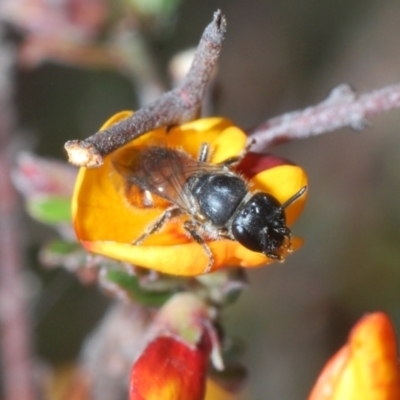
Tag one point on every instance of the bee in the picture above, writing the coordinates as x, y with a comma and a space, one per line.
216, 199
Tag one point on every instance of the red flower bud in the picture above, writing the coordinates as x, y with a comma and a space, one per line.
171, 369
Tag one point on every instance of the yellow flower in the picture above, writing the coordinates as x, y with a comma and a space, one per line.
366, 368
108, 217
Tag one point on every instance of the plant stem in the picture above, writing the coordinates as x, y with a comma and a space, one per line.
179, 105
342, 108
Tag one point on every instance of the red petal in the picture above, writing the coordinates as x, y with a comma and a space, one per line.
170, 369
253, 163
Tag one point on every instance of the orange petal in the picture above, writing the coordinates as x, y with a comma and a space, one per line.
327, 382
186, 259
169, 369
236, 140
367, 368
192, 135
283, 182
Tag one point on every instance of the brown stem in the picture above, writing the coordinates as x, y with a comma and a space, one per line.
342, 108
14, 334
174, 107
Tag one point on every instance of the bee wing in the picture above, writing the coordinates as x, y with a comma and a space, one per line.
161, 171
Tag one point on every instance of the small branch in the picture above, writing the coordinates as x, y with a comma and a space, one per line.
342, 108
174, 107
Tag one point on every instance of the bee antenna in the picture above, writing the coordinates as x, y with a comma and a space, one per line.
294, 197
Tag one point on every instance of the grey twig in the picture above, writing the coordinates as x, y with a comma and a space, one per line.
342, 108
174, 107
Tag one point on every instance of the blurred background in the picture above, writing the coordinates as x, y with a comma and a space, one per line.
278, 56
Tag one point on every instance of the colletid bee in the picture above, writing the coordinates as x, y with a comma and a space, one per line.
216, 199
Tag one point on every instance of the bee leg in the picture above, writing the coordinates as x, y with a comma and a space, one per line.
190, 227
204, 152
232, 161
159, 223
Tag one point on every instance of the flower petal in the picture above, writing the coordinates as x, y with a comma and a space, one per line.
325, 386
283, 182
169, 369
367, 368
254, 163
187, 259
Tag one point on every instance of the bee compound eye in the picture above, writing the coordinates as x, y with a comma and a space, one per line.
247, 236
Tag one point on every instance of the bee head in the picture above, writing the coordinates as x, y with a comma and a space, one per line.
260, 225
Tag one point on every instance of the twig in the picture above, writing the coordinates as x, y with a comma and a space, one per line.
174, 107
342, 108
15, 346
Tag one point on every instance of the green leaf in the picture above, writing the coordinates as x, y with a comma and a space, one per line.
130, 284
61, 247
70, 255
50, 210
